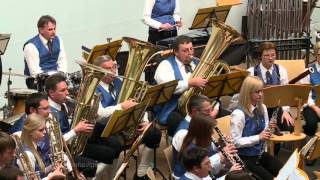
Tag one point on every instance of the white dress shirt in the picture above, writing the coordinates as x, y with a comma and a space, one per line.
71, 134
165, 73
306, 80
31, 55
237, 126
148, 6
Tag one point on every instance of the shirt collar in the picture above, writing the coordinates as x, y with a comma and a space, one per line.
43, 40
252, 108
264, 70
188, 118
179, 63
54, 104
317, 67
192, 176
104, 86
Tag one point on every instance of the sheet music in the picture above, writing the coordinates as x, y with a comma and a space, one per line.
297, 175
290, 166
4, 39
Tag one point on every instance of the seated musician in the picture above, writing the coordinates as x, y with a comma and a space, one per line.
34, 130
7, 149
38, 103
110, 87
11, 173
178, 67
44, 52
250, 128
199, 134
105, 151
311, 112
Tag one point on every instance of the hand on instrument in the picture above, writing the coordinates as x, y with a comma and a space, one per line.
179, 23
286, 116
228, 139
265, 135
235, 167
128, 104
230, 149
142, 126
84, 127
197, 82
165, 27
57, 173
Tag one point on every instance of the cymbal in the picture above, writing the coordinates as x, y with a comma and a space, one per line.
14, 74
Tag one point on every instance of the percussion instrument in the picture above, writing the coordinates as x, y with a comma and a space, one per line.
16, 99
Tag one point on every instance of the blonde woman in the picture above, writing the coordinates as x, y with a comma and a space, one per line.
33, 132
249, 130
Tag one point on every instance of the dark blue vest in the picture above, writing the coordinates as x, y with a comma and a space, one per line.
107, 99
62, 117
48, 61
184, 124
163, 11
18, 125
251, 128
184, 178
275, 74
163, 111
314, 80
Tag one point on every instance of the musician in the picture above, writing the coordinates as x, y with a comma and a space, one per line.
311, 112
178, 67
7, 149
34, 131
110, 87
202, 138
11, 173
38, 103
197, 164
44, 52
249, 130
163, 18
105, 151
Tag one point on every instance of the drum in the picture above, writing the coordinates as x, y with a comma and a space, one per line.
16, 99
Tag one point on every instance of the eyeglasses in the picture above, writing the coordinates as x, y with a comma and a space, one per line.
269, 56
44, 108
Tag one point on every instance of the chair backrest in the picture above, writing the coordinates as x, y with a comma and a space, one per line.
293, 67
223, 125
150, 174
168, 154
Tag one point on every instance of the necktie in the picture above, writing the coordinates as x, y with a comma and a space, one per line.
49, 46
269, 78
111, 89
188, 68
65, 116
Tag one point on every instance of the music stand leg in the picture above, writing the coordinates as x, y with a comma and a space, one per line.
155, 169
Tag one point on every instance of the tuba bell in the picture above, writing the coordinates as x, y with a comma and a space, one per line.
87, 103
221, 37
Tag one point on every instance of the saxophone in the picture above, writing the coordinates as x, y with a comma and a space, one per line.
28, 170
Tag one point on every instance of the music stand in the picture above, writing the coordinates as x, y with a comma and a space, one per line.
317, 91
203, 16
110, 49
228, 2
4, 40
287, 95
225, 84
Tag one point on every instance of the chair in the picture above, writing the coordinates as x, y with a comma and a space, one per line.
293, 67
223, 125
150, 174
168, 154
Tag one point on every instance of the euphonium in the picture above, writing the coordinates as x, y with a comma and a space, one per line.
87, 103
28, 170
221, 37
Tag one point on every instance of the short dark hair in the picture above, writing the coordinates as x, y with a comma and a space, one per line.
6, 142
53, 80
196, 101
33, 100
180, 40
238, 175
10, 173
193, 156
44, 20
266, 46
101, 59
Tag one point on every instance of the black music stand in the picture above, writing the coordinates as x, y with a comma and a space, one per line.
225, 84
202, 19
110, 49
4, 40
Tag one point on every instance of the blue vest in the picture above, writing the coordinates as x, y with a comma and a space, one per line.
48, 61
107, 99
184, 177
163, 11
62, 117
178, 168
314, 80
163, 111
184, 124
275, 74
18, 125
252, 128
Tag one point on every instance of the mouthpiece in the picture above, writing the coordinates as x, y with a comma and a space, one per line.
69, 99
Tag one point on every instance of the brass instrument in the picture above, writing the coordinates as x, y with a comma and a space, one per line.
28, 170
87, 103
221, 37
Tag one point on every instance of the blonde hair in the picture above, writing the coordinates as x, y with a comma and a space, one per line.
250, 85
31, 124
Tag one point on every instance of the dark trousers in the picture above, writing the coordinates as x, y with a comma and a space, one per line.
86, 166
155, 35
312, 120
104, 150
267, 168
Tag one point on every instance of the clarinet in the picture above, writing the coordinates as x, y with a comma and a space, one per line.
235, 158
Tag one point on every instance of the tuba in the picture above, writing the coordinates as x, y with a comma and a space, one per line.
221, 37
28, 170
87, 103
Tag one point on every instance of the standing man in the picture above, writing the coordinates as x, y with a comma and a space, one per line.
178, 67
45, 52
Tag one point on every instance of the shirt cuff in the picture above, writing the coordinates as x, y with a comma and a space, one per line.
286, 108
69, 135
